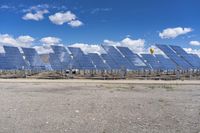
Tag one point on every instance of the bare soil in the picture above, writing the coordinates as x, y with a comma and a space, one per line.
85, 106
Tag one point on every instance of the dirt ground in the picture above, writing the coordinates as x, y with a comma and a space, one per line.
84, 106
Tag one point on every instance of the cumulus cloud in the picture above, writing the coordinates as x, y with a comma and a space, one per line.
21, 41
38, 15
195, 43
35, 13
46, 42
193, 51
43, 49
174, 32
89, 48
50, 40
26, 39
60, 18
75, 23
136, 46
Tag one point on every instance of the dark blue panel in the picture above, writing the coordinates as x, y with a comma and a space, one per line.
80, 60
135, 59
181, 63
55, 62
166, 63
187, 57
14, 58
112, 64
118, 57
152, 61
33, 59
63, 55
5, 63
98, 62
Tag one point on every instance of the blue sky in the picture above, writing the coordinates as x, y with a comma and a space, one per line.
99, 20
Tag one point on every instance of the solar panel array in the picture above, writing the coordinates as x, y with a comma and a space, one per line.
180, 62
120, 60
135, 59
4, 63
114, 58
14, 58
55, 62
80, 60
108, 59
98, 61
152, 61
33, 59
165, 62
63, 55
187, 57
196, 57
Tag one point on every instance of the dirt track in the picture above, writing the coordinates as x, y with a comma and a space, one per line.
84, 106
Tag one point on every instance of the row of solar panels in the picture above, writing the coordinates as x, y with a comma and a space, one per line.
115, 58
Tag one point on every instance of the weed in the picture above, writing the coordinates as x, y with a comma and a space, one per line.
161, 100
168, 87
152, 87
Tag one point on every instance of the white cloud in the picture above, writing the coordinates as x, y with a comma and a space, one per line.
136, 46
174, 32
39, 15
75, 23
60, 18
44, 45
110, 42
7, 39
21, 41
26, 39
195, 43
193, 51
43, 49
89, 48
50, 40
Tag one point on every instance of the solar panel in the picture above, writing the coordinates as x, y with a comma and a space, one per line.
187, 57
55, 62
166, 63
63, 55
174, 57
14, 58
80, 60
98, 61
112, 64
33, 59
135, 59
4, 63
152, 61
196, 57
118, 57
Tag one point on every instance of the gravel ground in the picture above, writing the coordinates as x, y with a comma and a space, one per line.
92, 107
